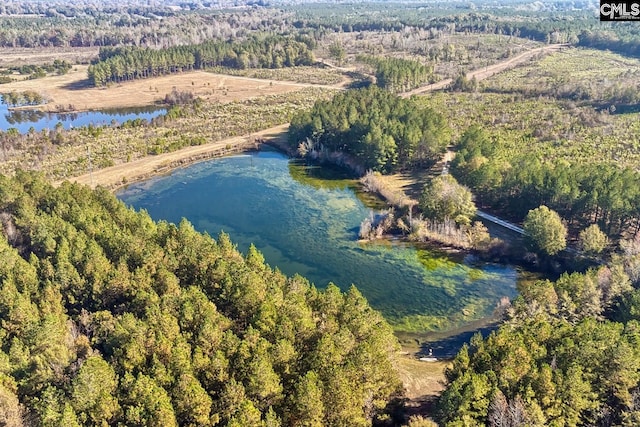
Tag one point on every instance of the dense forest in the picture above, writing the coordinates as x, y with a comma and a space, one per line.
127, 63
109, 318
568, 355
589, 192
383, 131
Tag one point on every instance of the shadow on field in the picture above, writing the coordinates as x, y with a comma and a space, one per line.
78, 85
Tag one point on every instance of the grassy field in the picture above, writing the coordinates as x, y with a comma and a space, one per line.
73, 89
15, 57
303, 74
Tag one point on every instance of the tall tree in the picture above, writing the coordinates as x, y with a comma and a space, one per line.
443, 198
545, 231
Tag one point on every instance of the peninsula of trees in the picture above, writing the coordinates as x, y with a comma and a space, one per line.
109, 318
383, 131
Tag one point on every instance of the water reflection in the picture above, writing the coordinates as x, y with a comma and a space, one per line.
24, 120
305, 226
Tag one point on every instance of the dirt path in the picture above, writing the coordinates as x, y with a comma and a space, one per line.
119, 175
490, 70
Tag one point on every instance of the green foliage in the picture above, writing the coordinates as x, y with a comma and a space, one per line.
397, 74
545, 231
382, 132
92, 392
337, 52
558, 359
127, 63
593, 240
112, 319
443, 198
29, 97
550, 373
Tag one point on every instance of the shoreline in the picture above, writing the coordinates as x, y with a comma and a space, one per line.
120, 175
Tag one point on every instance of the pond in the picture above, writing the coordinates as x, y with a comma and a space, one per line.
306, 222
23, 120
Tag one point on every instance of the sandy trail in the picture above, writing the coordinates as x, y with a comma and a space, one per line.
486, 72
116, 176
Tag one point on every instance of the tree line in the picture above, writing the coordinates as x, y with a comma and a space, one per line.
382, 131
398, 74
602, 193
109, 318
129, 63
28, 97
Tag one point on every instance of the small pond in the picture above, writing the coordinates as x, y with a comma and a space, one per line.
305, 220
23, 120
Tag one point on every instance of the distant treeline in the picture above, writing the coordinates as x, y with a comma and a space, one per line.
382, 131
397, 74
129, 63
625, 43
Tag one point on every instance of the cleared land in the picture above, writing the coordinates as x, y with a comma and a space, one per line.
73, 89
119, 175
422, 380
15, 57
490, 70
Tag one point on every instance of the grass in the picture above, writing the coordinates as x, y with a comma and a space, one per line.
421, 379
116, 145
306, 75
586, 72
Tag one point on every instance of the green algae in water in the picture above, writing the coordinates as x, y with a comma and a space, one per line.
306, 222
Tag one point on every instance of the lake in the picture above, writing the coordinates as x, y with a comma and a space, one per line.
23, 120
305, 220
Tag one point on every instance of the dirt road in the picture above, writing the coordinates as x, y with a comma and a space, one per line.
119, 175
490, 70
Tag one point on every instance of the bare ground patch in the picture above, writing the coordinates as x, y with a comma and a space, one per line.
73, 89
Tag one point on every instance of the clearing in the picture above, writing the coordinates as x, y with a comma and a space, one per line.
490, 70
15, 57
72, 91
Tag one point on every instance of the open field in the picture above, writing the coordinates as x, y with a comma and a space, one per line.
303, 74
15, 57
72, 89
